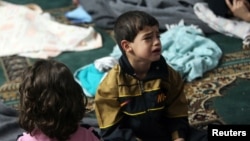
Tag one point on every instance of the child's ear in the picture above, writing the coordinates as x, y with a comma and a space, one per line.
125, 45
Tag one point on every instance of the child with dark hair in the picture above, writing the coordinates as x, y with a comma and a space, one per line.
142, 98
52, 105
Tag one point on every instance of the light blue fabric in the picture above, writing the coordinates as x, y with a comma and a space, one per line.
187, 50
78, 15
89, 78
116, 53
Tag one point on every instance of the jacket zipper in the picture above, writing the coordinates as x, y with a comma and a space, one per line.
142, 91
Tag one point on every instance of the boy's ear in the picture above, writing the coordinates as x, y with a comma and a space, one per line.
125, 45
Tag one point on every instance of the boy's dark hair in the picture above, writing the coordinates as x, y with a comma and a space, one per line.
51, 100
130, 23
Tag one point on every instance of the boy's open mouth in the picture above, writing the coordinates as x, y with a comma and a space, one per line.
157, 50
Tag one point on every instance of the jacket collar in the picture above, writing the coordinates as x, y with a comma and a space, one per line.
158, 69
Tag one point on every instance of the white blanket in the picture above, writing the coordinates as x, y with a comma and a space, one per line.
231, 27
32, 34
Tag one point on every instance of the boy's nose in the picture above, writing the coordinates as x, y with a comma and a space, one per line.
157, 41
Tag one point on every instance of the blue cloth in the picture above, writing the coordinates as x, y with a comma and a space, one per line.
89, 78
189, 51
78, 15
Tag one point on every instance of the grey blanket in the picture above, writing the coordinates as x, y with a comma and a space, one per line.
9, 128
105, 12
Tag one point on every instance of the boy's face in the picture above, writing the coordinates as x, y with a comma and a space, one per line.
146, 45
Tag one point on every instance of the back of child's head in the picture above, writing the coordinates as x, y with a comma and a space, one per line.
50, 100
130, 23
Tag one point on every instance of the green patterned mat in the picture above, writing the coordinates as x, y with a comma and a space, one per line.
13, 67
203, 94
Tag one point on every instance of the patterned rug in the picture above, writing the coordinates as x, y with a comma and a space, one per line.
201, 92
12, 67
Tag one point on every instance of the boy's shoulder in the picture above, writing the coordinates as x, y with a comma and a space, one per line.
115, 69
110, 75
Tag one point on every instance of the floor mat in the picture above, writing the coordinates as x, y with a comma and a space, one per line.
13, 67
203, 92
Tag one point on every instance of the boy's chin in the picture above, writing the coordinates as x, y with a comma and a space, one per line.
156, 58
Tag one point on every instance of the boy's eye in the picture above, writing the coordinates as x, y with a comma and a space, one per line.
148, 38
151, 37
